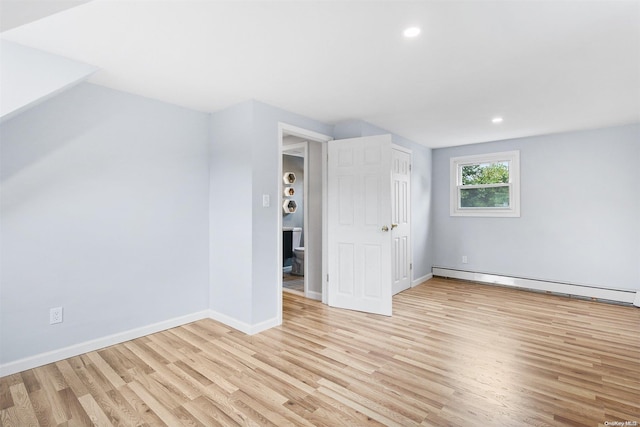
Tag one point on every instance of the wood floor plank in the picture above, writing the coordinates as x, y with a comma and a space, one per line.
256, 411
42, 408
29, 379
6, 401
50, 382
143, 410
168, 398
454, 353
23, 412
160, 409
202, 417
277, 414
368, 387
10, 417
94, 411
332, 412
106, 370
78, 416
71, 378
304, 380
127, 413
215, 411
369, 407
208, 368
117, 362
267, 367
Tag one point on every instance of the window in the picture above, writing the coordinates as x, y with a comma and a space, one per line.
486, 185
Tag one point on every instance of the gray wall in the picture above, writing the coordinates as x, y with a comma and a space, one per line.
104, 212
580, 211
421, 225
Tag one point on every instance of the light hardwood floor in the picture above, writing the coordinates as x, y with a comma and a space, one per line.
454, 353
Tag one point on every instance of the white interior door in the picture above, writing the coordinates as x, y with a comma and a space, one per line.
400, 220
359, 224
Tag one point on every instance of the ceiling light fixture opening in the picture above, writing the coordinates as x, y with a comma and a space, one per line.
496, 120
411, 32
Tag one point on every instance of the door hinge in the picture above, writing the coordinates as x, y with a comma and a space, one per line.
410, 167
411, 266
327, 277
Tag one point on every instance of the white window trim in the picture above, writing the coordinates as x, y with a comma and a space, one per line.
456, 163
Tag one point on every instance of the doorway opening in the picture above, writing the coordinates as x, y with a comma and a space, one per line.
382, 199
302, 212
295, 187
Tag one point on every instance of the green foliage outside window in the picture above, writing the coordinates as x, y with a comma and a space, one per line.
482, 174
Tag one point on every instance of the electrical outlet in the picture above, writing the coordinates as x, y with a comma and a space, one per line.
464, 259
266, 201
55, 315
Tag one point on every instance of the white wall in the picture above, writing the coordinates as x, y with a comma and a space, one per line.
244, 256
580, 205
29, 76
231, 213
104, 211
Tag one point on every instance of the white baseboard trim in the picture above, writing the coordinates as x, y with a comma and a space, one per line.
96, 344
617, 295
421, 280
99, 343
314, 295
263, 326
243, 326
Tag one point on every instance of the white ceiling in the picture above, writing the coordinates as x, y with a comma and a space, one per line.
545, 66
14, 13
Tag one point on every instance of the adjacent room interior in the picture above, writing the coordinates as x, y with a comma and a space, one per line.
319, 213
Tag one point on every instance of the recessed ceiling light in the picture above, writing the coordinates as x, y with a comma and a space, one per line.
496, 120
411, 32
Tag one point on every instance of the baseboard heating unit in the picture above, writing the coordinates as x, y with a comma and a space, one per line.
627, 296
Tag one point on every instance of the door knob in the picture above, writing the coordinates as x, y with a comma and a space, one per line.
393, 226
385, 228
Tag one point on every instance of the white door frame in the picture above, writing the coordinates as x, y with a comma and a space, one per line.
287, 129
